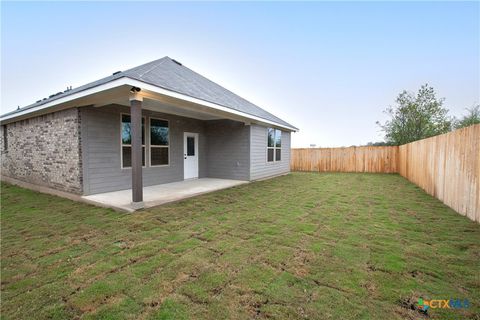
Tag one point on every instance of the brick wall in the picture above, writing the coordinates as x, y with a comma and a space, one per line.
45, 150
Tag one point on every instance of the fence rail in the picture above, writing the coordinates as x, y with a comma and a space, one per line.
446, 166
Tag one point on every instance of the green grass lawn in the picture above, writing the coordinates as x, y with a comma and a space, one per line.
339, 246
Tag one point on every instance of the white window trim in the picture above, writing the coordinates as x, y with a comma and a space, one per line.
129, 145
274, 148
150, 146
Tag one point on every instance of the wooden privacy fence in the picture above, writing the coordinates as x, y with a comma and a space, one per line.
351, 159
446, 166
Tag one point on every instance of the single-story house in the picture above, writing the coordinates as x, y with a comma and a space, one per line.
153, 124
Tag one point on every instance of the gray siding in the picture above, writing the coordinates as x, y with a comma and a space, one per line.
259, 167
101, 150
227, 149
228, 154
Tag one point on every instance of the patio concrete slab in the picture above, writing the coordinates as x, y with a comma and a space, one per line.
162, 193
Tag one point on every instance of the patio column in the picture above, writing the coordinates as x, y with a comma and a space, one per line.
136, 136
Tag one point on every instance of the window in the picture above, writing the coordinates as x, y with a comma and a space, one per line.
126, 137
190, 146
274, 145
159, 142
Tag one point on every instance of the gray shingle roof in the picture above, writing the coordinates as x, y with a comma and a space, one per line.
168, 74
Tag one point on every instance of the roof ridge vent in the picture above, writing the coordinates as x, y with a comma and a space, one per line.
176, 62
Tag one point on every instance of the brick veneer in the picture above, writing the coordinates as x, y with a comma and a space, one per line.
45, 150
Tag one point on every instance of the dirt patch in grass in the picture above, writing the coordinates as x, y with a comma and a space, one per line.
409, 308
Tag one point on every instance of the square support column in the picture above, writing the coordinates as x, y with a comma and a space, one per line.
136, 136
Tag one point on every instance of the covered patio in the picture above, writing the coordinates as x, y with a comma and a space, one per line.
175, 134
149, 135
162, 193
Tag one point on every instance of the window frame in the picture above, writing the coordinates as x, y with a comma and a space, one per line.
144, 146
150, 146
274, 148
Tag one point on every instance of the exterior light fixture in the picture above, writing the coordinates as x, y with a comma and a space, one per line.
135, 89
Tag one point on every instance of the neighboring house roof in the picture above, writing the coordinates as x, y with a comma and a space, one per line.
171, 75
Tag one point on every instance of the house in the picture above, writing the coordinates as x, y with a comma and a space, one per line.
153, 124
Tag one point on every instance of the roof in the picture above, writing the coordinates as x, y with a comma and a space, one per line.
171, 75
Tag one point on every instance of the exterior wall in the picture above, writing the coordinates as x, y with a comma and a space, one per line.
101, 147
45, 150
78, 150
2, 139
259, 167
228, 155
227, 150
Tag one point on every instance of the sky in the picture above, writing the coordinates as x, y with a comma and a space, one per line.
329, 68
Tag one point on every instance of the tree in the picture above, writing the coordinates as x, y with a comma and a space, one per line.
377, 144
472, 117
416, 117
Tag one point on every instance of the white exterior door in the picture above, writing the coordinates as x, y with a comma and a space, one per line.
190, 155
